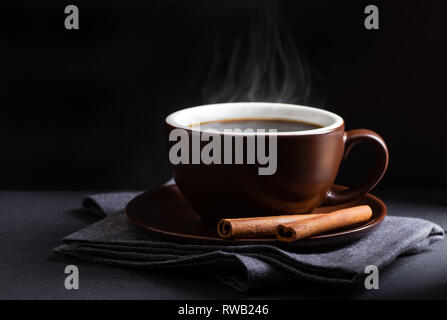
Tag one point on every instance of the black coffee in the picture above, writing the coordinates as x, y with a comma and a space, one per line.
279, 124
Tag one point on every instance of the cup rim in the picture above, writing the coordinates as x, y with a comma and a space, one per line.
337, 121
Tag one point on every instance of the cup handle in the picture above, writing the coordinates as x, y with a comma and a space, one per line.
351, 138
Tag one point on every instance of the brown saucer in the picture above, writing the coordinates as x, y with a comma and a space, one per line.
165, 212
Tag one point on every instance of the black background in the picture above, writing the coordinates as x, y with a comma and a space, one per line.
85, 109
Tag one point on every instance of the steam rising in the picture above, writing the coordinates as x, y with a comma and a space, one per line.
265, 66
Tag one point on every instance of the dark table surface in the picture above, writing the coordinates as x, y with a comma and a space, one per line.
32, 223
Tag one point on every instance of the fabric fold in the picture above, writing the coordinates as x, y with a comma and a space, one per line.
115, 240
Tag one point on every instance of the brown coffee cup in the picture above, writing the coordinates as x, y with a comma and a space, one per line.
307, 162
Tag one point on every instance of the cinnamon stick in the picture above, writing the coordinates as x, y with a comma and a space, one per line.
256, 227
292, 231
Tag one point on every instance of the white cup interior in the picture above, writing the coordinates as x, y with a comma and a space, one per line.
326, 120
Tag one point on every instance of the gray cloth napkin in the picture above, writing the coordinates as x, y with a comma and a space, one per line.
115, 240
